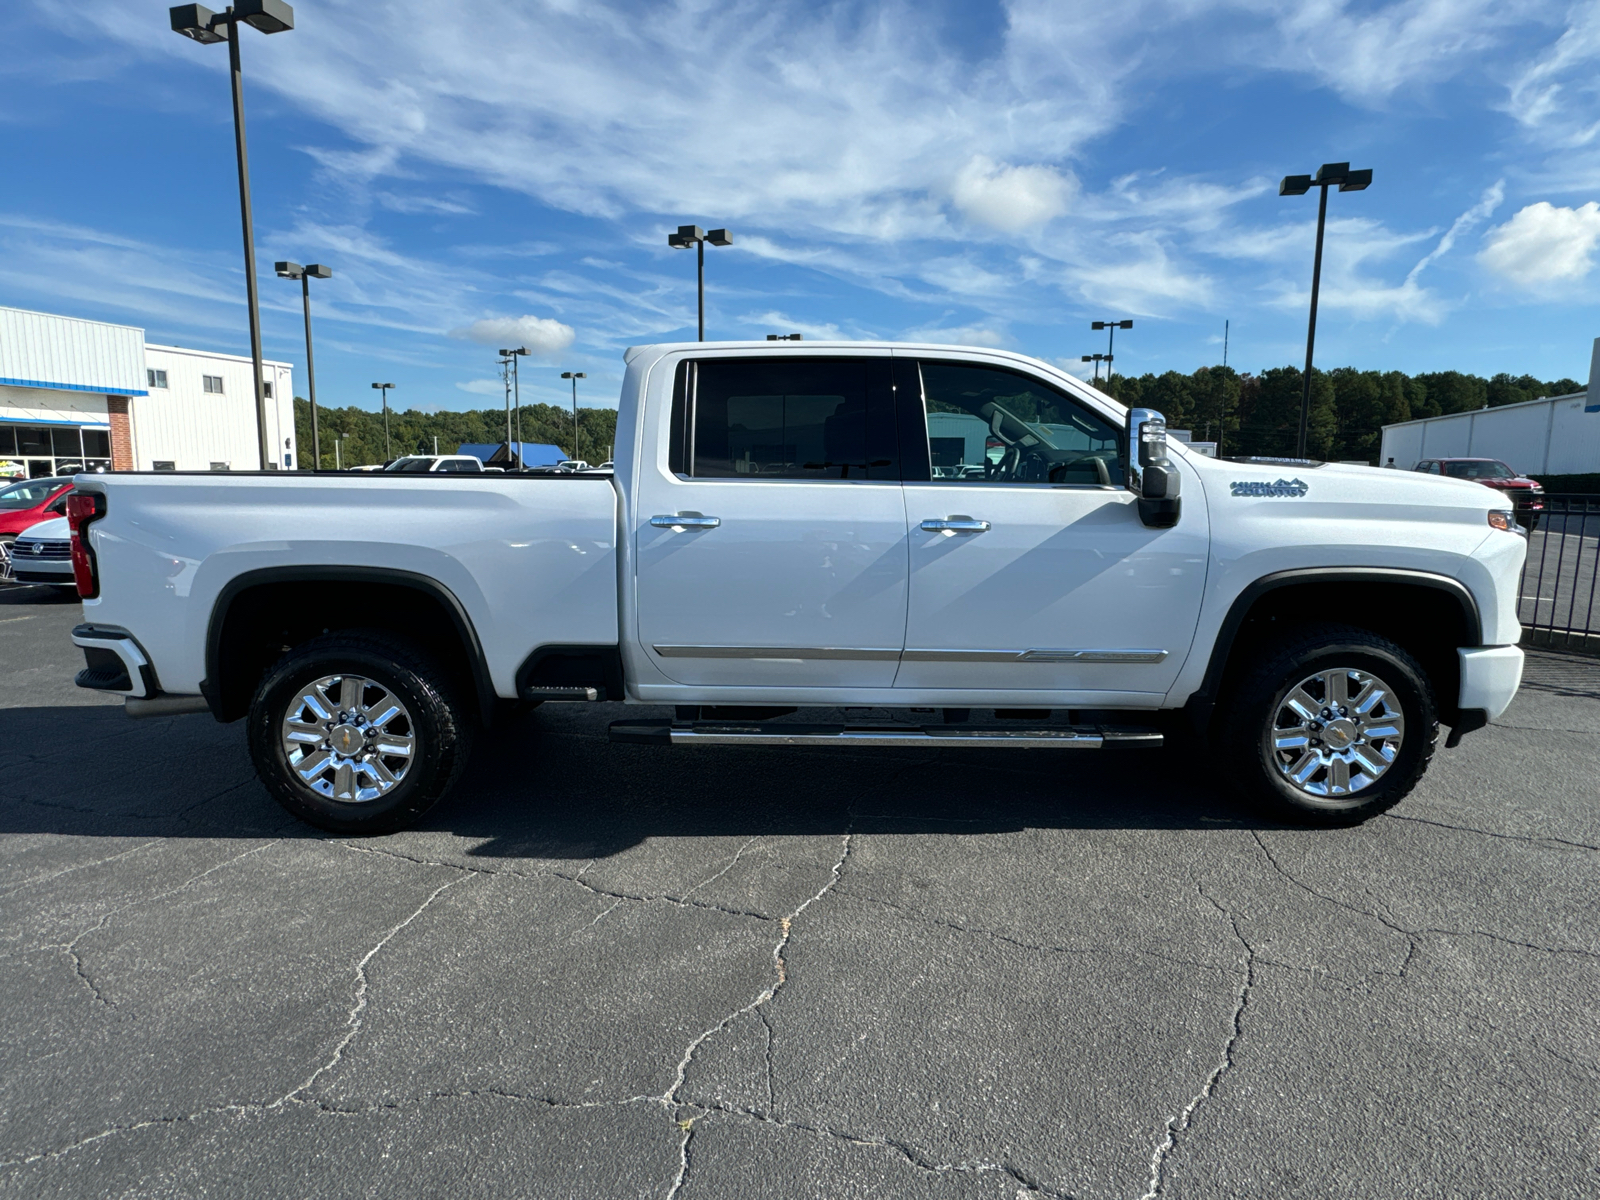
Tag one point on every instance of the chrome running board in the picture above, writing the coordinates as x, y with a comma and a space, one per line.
724, 733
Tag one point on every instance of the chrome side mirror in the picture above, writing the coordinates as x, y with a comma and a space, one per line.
1151, 475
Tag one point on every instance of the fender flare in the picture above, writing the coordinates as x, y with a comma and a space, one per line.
210, 686
1199, 706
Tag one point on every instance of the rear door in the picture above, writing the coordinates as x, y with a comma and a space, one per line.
770, 545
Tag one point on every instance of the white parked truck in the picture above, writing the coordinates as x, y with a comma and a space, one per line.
973, 544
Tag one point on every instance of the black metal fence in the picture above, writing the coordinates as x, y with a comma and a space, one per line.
1559, 601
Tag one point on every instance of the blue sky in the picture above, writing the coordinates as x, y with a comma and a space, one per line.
1001, 174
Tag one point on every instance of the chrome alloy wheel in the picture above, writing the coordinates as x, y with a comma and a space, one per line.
1337, 732
348, 738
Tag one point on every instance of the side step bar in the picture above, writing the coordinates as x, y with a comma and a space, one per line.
583, 694
722, 733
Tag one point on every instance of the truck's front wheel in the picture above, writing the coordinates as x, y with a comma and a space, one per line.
1332, 726
357, 733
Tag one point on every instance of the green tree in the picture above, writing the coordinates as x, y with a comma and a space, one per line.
413, 432
1453, 392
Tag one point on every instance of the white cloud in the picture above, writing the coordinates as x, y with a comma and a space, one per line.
545, 336
413, 205
1010, 199
483, 387
960, 335
1555, 95
773, 321
1544, 244
1366, 52
1481, 211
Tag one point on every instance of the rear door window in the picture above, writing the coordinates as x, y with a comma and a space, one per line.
784, 418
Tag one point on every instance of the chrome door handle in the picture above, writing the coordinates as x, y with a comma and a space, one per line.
684, 521
955, 525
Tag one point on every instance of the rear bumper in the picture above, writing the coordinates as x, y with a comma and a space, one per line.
116, 664
1490, 676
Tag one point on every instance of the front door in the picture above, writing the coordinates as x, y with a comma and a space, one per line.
771, 546
1030, 568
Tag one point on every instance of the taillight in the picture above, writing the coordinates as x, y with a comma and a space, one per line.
83, 508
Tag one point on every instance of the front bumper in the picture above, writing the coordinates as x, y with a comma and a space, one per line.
41, 571
1490, 677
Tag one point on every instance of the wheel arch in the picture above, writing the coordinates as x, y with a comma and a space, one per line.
237, 653
1440, 614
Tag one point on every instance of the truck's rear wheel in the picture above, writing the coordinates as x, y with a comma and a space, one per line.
1333, 726
357, 733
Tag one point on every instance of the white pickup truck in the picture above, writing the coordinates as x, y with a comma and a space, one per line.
955, 540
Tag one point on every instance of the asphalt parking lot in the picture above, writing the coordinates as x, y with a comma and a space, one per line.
607, 971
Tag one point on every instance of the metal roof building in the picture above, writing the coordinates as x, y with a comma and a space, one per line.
86, 395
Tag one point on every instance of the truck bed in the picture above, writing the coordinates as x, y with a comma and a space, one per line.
530, 559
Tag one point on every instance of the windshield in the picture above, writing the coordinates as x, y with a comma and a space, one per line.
1479, 470
29, 493
410, 464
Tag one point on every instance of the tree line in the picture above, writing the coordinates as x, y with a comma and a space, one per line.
1260, 414
413, 432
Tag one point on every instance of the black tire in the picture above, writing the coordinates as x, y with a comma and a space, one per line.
1251, 730
437, 725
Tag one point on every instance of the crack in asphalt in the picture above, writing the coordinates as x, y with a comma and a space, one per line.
678, 901
917, 914
1412, 934
673, 1094
1180, 1124
70, 949
904, 1149
1510, 837
353, 1018
352, 1021
20, 884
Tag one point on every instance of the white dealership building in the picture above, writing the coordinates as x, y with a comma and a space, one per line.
77, 394
1553, 435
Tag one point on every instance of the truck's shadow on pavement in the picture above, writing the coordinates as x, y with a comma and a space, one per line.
550, 785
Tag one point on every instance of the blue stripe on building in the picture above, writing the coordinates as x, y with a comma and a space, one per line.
73, 387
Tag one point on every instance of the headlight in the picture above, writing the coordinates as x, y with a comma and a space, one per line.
1499, 519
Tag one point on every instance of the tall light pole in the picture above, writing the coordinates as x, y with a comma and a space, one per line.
575, 376
290, 270
338, 449
504, 362
1111, 340
516, 387
693, 235
384, 388
1328, 175
1097, 359
202, 25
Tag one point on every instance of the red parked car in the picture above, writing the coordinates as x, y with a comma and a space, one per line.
26, 502
1526, 496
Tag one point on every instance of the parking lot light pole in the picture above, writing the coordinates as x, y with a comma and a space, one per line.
200, 24
1111, 339
1328, 175
693, 235
574, 376
516, 389
1097, 359
290, 270
384, 388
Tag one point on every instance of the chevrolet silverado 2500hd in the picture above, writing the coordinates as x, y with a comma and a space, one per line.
839, 525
